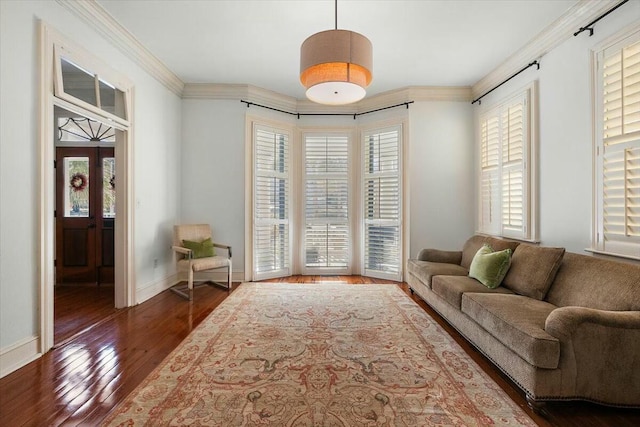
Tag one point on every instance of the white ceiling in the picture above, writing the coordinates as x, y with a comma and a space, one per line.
257, 42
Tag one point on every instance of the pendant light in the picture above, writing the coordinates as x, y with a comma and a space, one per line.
335, 65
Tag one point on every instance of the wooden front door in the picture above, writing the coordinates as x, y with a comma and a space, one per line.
85, 214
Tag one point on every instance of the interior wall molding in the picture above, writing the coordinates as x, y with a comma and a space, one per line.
99, 19
19, 354
552, 36
288, 103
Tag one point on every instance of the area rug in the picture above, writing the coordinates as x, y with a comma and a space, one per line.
318, 355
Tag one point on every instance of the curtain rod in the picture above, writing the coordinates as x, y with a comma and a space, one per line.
355, 115
589, 26
531, 64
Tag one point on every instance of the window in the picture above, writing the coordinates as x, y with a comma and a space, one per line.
507, 192
326, 202
382, 202
617, 204
271, 193
99, 93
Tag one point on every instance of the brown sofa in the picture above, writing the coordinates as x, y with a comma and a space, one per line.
562, 326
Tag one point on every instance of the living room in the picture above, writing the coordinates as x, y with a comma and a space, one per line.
198, 134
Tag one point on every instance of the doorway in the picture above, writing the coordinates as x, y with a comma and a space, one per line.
85, 215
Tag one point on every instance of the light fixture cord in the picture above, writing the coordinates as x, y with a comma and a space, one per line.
336, 12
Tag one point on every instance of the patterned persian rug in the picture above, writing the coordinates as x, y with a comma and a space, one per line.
318, 355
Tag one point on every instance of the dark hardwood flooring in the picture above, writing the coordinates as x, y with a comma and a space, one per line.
80, 307
82, 380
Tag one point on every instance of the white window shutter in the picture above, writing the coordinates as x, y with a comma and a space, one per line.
326, 203
382, 201
513, 169
619, 165
489, 174
271, 194
504, 196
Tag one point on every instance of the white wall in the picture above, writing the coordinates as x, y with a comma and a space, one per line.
212, 162
442, 175
565, 132
156, 161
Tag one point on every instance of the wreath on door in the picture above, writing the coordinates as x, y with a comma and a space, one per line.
78, 182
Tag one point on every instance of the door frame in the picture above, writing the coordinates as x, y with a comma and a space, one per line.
124, 273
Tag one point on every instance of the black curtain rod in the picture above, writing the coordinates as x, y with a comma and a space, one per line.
589, 26
355, 115
531, 64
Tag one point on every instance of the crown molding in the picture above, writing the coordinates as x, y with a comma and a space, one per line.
99, 19
552, 36
288, 103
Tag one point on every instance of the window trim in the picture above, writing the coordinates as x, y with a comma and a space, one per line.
531, 219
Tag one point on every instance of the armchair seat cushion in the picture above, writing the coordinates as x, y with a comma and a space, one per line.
451, 288
425, 270
202, 264
517, 322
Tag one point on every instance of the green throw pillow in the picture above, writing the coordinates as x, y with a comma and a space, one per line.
489, 267
200, 249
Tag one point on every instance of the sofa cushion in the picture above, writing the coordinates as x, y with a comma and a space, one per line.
533, 269
474, 243
489, 267
517, 322
588, 281
451, 288
425, 270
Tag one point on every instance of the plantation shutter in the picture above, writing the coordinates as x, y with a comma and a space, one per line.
382, 190
326, 199
620, 150
504, 179
271, 252
513, 169
489, 174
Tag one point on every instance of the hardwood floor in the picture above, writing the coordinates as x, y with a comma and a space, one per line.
81, 381
77, 308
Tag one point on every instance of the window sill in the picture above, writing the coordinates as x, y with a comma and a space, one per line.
611, 254
517, 239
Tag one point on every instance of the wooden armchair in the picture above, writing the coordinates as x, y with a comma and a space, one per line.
195, 252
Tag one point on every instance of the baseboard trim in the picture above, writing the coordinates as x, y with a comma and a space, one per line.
218, 276
154, 288
19, 354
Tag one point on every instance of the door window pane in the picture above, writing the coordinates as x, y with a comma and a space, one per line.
76, 177
108, 187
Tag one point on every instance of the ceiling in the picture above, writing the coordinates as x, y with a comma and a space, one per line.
257, 42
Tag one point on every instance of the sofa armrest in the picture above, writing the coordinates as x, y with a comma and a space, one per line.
564, 322
436, 255
599, 352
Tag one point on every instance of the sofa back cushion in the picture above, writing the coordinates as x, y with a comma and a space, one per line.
533, 269
598, 283
474, 243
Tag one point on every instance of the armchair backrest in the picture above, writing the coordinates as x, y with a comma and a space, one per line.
194, 232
